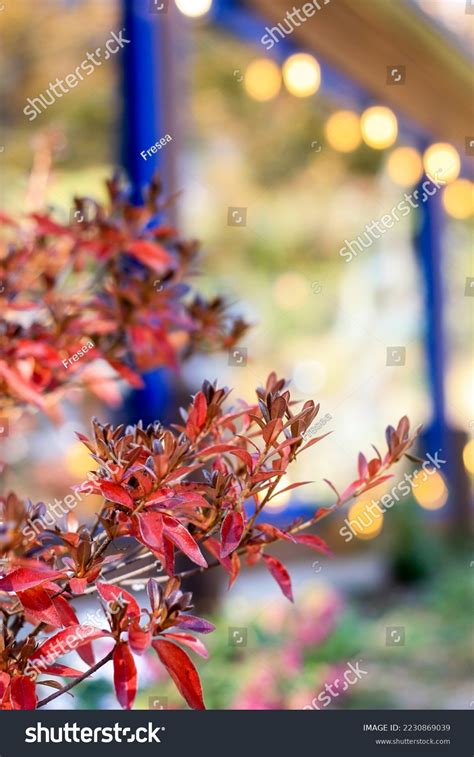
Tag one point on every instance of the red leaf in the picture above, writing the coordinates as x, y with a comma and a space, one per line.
235, 560
329, 483
231, 532
272, 430
66, 613
66, 641
192, 623
253, 554
39, 606
115, 594
69, 618
21, 388
230, 564
215, 548
198, 414
116, 493
237, 451
22, 579
150, 525
274, 532
362, 465
182, 539
23, 693
314, 542
86, 653
182, 671
152, 255
63, 670
78, 585
4, 683
125, 675
280, 574
47, 226
6, 219
189, 641
127, 374
138, 639
168, 556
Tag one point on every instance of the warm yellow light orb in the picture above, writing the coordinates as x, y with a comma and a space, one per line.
279, 498
262, 79
365, 523
432, 493
194, 8
379, 127
302, 75
404, 166
468, 457
342, 131
458, 199
442, 162
78, 460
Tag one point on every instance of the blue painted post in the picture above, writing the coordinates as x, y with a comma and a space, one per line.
142, 126
142, 96
428, 243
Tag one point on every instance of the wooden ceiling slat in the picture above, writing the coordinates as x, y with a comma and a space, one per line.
363, 37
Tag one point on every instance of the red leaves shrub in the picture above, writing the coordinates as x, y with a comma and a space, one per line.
198, 488
114, 279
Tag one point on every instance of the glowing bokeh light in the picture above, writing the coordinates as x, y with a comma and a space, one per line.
302, 75
262, 79
458, 199
342, 131
194, 8
429, 490
405, 166
468, 457
365, 523
442, 162
379, 127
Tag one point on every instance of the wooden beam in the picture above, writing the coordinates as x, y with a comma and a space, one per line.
362, 38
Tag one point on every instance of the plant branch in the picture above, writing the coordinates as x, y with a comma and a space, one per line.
76, 681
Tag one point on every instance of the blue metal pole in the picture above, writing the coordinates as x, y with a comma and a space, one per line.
142, 126
142, 115
428, 243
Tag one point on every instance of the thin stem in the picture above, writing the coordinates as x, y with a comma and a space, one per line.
118, 579
183, 574
76, 681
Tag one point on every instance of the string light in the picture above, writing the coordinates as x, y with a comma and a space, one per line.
379, 127
404, 166
194, 8
302, 75
262, 79
442, 162
458, 199
365, 523
431, 493
468, 457
342, 131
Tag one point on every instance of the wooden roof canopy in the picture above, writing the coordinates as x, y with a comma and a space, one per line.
362, 37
